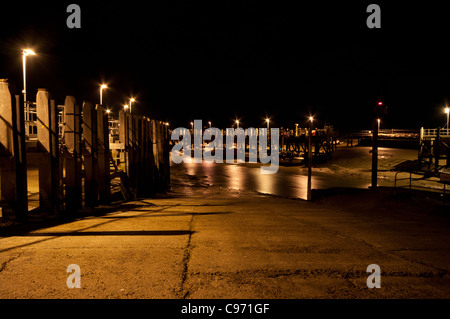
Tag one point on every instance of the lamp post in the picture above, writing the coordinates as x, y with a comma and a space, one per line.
25, 53
103, 86
447, 111
131, 100
125, 107
237, 123
209, 124
267, 121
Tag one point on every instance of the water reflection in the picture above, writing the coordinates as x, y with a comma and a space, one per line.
288, 181
348, 168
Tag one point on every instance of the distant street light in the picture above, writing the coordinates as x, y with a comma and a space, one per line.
25, 53
192, 125
237, 123
125, 107
103, 86
267, 121
209, 124
296, 129
447, 111
131, 100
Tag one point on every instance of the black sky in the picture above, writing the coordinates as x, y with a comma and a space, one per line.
217, 60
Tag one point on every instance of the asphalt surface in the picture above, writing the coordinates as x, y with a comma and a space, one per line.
214, 242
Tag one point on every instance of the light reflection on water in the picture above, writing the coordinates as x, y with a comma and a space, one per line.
350, 167
288, 181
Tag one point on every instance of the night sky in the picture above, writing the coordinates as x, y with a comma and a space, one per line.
221, 60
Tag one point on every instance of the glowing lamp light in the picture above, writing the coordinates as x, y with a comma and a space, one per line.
380, 103
28, 52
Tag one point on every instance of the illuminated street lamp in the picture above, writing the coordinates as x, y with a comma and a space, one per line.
209, 124
131, 100
103, 86
192, 125
237, 123
267, 121
25, 53
447, 111
125, 107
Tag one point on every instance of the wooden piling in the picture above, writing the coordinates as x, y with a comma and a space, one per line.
44, 155
12, 156
103, 151
72, 155
90, 155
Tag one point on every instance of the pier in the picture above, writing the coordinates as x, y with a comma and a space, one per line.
82, 154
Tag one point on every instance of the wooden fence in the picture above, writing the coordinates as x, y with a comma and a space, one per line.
76, 168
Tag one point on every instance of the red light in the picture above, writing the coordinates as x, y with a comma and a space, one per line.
380, 103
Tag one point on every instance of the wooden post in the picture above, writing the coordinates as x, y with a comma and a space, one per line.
308, 192
56, 171
374, 152
145, 166
90, 155
103, 155
123, 139
131, 153
140, 155
436, 150
166, 156
46, 196
151, 159
72, 140
12, 156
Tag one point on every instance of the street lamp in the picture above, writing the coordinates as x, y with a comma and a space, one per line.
131, 100
379, 121
237, 123
209, 124
447, 111
267, 120
125, 107
25, 53
103, 86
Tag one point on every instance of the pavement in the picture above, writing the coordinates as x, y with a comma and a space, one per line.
215, 243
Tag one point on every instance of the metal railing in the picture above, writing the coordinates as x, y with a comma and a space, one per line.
432, 132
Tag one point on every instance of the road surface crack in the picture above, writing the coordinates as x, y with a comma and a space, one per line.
185, 262
3, 266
